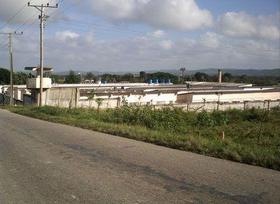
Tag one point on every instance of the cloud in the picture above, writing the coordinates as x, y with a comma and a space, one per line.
211, 40
168, 14
17, 11
66, 35
147, 52
81, 51
158, 34
166, 44
240, 24
240, 40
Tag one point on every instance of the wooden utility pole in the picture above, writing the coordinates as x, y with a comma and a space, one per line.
10, 35
43, 19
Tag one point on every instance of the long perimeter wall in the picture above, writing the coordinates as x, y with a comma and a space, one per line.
71, 97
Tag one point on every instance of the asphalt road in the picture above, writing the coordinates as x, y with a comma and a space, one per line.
42, 162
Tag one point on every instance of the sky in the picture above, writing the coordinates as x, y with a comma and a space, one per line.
136, 35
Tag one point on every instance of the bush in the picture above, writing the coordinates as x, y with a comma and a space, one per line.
220, 118
256, 115
204, 119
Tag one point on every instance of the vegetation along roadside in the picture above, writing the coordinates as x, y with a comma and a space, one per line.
250, 136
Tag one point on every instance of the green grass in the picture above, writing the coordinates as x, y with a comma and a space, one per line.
251, 136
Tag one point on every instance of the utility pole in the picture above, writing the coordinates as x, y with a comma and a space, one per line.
43, 19
10, 35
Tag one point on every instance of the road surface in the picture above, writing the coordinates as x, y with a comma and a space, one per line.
42, 162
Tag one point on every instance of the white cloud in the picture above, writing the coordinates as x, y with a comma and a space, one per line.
158, 34
211, 40
240, 24
144, 52
147, 52
166, 44
169, 14
66, 35
241, 41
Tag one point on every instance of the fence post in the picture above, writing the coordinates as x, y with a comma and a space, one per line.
245, 102
59, 95
77, 97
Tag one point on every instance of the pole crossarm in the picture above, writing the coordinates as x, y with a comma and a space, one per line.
11, 33
39, 7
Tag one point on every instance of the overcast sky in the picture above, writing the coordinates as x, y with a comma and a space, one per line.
135, 35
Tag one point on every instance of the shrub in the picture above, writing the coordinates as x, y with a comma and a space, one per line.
204, 119
220, 118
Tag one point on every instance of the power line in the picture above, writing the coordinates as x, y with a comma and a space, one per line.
13, 16
4, 45
27, 22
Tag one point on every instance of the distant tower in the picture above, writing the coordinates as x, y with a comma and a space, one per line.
220, 75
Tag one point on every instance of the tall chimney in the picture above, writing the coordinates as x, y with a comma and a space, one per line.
220, 74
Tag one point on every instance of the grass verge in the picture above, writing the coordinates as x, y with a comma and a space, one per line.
251, 136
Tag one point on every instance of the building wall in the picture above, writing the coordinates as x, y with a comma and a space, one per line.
211, 106
61, 97
241, 97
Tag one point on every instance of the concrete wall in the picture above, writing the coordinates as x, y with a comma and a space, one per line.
212, 106
70, 97
202, 100
105, 104
231, 97
61, 97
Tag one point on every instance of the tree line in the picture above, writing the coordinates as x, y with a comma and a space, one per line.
18, 77
175, 79
141, 77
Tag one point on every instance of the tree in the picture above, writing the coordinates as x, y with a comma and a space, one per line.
72, 78
90, 76
99, 102
182, 70
4, 76
143, 75
91, 96
199, 76
20, 78
128, 77
227, 77
108, 78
